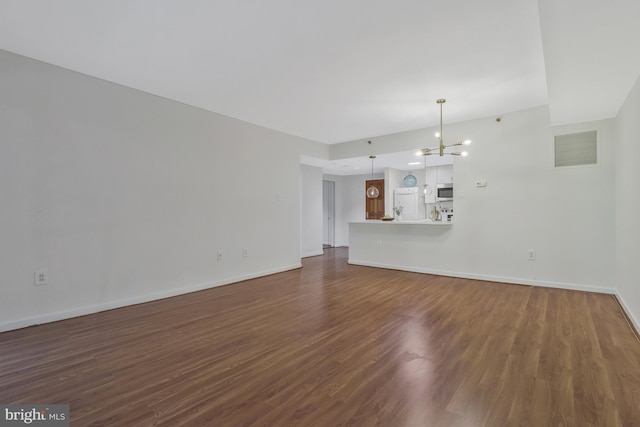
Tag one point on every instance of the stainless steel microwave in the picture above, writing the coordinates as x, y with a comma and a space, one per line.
444, 192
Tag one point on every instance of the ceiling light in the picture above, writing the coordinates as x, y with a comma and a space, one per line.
441, 148
413, 163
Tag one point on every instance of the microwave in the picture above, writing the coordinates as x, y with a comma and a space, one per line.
444, 192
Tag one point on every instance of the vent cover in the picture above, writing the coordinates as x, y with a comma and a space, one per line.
576, 149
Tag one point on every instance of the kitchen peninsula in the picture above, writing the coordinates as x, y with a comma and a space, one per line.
403, 222
414, 242
410, 245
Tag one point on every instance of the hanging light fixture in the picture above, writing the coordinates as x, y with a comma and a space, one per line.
426, 188
441, 149
372, 191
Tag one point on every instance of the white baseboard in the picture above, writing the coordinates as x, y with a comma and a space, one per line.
82, 311
629, 313
309, 254
501, 279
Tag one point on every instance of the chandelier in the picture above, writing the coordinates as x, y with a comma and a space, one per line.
441, 149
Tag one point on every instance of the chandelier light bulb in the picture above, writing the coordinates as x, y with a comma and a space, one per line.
464, 154
466, 142
437, 134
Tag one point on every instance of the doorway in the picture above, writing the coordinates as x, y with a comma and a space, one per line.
328, 213
374, 207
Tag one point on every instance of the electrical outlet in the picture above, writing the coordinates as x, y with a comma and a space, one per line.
532, 255
245, 252
40, 277
219, 256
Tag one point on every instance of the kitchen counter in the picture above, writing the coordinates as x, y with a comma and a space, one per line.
401, 244
404, 222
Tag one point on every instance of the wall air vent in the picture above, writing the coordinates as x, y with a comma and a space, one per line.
576, 149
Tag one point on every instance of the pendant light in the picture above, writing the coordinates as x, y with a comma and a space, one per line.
442, 147
372, 191
426, 188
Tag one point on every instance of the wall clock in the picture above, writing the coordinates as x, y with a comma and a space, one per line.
409, 180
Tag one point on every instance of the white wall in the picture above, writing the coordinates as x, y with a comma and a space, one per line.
566, 216
125, 197
310, 211
627, 179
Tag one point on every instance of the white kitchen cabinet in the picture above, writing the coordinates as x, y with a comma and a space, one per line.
445, 174
408, 199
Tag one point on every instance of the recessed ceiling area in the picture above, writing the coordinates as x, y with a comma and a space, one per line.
335, 71
404, 160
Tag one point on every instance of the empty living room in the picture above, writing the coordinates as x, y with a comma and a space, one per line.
410, 213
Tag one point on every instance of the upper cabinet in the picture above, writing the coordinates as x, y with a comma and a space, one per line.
445, 174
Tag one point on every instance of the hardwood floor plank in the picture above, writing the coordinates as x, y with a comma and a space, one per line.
336, 344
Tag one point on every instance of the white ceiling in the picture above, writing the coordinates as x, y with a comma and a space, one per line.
339, 70
592, 56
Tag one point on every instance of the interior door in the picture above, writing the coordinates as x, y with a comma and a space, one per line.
374, 208
328, 212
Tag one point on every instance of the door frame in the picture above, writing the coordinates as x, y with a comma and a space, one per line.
329, 208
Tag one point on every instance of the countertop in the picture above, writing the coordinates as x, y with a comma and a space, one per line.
404, 222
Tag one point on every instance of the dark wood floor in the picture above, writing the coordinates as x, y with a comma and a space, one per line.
334, 344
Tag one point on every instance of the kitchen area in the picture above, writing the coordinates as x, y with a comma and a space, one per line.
423, 195
424, 192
